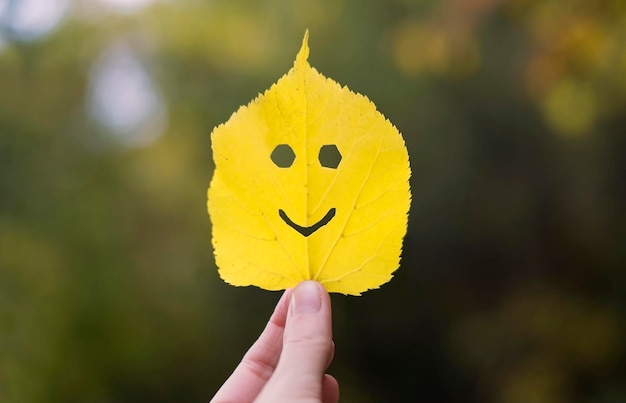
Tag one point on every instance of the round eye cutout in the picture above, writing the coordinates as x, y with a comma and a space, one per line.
283, 156
329, 156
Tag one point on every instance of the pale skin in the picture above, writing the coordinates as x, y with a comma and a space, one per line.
288, 361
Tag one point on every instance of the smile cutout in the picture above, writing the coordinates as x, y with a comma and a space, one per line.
306, 231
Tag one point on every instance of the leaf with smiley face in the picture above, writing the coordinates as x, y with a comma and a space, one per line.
310, 183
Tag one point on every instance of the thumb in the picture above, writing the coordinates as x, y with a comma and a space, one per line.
307, 346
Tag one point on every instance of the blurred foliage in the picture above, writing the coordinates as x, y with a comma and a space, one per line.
512, 286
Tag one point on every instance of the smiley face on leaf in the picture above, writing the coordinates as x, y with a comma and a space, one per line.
310, 183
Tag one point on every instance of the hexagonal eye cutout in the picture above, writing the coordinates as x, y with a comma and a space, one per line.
283, 156
329, 156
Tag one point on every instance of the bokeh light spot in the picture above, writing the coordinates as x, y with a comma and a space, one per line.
570, 107
126, 6
419, 49
30, 20
423, 48
123, 97
3, 8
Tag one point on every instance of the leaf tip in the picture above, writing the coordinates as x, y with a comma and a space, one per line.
303, 54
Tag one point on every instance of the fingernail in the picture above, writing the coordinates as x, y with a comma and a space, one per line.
306, 298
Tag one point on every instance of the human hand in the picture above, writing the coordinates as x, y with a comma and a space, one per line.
288, 361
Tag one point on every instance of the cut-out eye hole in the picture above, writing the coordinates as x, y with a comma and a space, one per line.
283, 156
329, 156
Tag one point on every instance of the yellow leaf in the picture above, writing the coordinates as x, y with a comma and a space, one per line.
310, 183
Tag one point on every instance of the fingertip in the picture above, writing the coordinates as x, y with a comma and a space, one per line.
330, 389
307, 298
279, 316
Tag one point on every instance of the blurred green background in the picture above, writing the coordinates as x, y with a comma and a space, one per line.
512, 286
